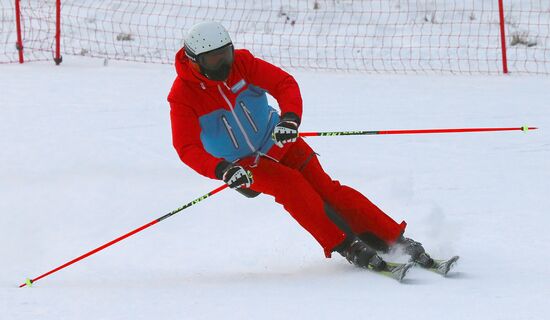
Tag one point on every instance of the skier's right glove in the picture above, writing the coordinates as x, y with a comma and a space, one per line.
234, 176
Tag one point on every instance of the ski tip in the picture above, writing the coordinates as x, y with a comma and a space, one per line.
453, 259
450, 265
402, 271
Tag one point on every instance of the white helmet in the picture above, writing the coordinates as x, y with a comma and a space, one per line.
206, 36
208, 44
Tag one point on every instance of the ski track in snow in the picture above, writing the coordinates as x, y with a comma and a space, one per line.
86, 156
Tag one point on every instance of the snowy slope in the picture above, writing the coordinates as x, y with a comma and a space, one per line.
86, 156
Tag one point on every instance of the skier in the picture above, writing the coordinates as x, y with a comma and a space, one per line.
223, 128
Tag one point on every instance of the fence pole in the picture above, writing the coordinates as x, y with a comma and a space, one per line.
58, 57
19, 43
502, 37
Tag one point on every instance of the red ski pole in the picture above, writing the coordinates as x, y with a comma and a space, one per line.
420, 131
29, 282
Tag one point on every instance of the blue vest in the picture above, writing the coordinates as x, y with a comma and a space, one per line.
242, 131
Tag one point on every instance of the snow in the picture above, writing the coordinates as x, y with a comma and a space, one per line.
86, 156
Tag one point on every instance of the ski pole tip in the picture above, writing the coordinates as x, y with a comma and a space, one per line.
28, 283
527, 128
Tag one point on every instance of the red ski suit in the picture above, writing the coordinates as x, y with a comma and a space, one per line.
293, 175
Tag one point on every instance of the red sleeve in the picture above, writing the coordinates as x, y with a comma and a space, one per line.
275, 80
186, 139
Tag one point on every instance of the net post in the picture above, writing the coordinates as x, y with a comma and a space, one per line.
58, 59
502, 37
19, 43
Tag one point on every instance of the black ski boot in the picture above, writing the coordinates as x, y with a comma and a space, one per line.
360, 254
416, 251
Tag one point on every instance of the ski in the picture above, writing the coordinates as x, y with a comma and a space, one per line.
443, 267
393, 270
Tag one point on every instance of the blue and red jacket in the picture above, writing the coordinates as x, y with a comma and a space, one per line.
215, 121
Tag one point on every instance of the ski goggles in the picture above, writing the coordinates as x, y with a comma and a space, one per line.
213, 60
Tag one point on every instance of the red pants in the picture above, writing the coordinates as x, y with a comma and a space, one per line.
300, 184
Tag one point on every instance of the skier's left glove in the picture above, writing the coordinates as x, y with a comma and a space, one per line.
286, 130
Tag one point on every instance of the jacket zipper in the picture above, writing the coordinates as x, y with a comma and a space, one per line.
248, 115
230, 132
271, 112
239, 124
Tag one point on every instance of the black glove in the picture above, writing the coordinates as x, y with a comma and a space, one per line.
233, 175
286, 130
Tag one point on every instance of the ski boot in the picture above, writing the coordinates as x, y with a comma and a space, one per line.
361, 255
416, 251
